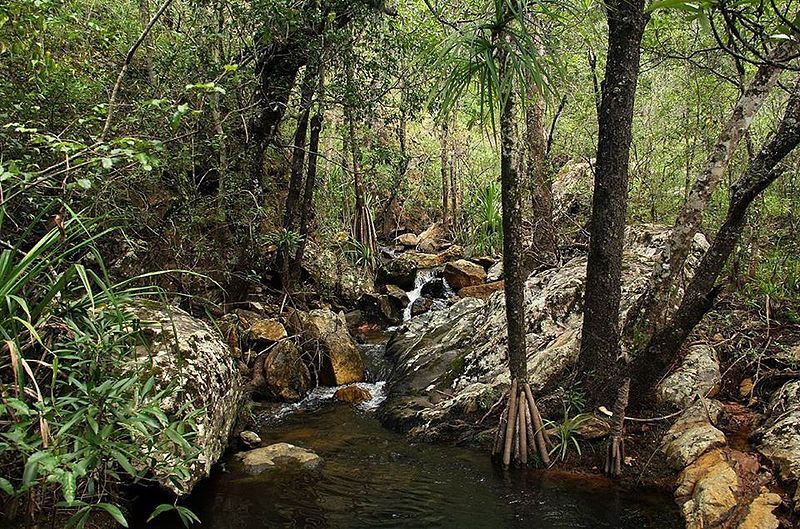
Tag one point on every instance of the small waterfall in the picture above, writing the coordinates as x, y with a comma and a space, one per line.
423, 276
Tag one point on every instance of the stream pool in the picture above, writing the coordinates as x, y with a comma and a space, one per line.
374, 478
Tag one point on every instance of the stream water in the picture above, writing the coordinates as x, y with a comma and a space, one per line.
374, 478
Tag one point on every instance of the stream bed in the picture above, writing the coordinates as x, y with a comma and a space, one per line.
372, 478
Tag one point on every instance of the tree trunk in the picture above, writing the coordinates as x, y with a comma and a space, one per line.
664, 347
542, 245
443, 162
600, 345
299, 147
513, 255
363, 227
654, 308
307, 210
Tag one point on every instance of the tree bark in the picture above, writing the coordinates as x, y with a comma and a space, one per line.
600, 345
655, 306
307, 209
664, 347
542, 245
513, 250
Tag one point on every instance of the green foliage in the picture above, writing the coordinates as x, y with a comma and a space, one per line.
566, 434
286, 240
485, 220
80, 412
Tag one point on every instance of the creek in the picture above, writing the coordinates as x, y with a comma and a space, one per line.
374, 478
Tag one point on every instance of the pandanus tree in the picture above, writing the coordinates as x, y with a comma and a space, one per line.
496, 57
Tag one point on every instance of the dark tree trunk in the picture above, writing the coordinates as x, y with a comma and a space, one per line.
664, 347
299, 148
600, 345
513, 243
307, 210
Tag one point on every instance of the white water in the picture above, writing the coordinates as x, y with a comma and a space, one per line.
423, 276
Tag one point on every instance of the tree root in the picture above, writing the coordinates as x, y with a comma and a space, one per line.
520, 435
615, 453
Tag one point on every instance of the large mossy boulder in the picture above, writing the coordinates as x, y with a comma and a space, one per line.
334, 275
323, 334
778, 439
453, 363
193, 355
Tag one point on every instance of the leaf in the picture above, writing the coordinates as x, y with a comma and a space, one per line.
84, 183
115, 513
107, 163
6, 487
161, 509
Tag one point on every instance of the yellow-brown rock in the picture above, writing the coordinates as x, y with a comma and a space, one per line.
481, 291
352, 394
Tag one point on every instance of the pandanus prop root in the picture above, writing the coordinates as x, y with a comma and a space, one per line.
521, 432
615, 454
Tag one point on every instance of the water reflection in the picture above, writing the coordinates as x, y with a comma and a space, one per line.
373, 478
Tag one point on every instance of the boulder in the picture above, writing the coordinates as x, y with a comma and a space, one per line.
280, 374
383, 307
779, 437
485, 261
572, 200
698, 375
433, 239
278, 456
192, 354
693, 434
707, 490
352, 394
408, 239
250, 439
435, 288
462, 273
267, 330
761, 513
421, 306
326, 332
461, 349
495, 272
393, 291
482, 291
333, 274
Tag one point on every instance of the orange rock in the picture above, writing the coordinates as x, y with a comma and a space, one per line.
352, 394
481, 291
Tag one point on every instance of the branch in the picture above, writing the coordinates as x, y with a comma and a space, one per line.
128, 59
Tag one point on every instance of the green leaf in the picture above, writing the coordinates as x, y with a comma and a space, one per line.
6, 487
84, 183
161, 509
107, 163
115, 513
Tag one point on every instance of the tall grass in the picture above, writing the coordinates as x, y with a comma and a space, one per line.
79, 416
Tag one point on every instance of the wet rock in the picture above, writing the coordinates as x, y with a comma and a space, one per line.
402, 271
268, 330
189, 352
250, 439
484, 261
495, 272
280, 374
483, 291
408, 239
397, 293
462, 273
278, 456
433, 239
435, 288
352, 394
693, 434
779, 437
421, 306
354, 318
709, 487
461, 350
761, 513
326, 332
384, 307
698, 375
